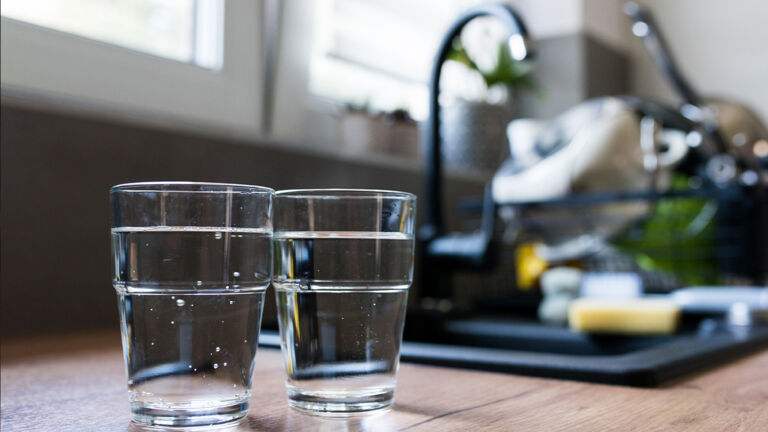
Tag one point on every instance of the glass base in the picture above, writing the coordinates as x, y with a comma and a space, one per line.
170, 417
339, 404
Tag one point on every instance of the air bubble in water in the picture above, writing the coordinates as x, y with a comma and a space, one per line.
173, 322
173, 297
180, 302
236, 274
190, 366
198, 283
218, 349
215, 365
225, 363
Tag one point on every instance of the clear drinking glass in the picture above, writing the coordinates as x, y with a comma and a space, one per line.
343, 266
191, 264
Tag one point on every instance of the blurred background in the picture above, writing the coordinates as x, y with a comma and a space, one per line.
336, 93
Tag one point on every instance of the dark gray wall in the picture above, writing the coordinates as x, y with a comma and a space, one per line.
570, 69
56, 171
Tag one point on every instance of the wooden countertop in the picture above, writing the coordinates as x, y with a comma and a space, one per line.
77, 383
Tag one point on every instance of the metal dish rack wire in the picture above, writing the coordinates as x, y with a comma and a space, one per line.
703, 236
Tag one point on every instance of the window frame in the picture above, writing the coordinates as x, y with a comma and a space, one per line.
42, 63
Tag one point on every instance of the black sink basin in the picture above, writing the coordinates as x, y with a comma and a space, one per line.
531, 348
555, 352
529, 337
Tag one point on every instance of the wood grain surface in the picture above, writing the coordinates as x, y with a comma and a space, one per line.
77, 383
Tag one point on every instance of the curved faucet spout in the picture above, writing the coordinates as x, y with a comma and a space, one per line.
520, 48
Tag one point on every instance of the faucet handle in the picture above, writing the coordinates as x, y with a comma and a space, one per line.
476, 250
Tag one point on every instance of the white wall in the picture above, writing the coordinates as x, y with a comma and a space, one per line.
605, 21
601, 19
550, 18
720, 46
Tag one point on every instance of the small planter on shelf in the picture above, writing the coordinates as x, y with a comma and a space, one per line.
362, 132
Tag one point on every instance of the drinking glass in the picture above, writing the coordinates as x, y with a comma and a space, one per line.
343, 266
191, 263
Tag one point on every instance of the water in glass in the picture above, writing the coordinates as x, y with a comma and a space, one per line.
341, 301
189, 338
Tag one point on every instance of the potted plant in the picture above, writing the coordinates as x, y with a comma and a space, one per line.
474, 123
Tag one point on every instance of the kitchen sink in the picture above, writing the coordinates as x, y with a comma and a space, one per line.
530, 337
529, 348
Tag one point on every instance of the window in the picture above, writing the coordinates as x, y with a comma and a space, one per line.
366, 53
182, 30
371, 53
379, 54
169, 62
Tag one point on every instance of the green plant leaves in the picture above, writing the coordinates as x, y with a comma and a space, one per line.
506, 71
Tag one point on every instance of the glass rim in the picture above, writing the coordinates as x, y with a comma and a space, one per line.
179, 187
344, 193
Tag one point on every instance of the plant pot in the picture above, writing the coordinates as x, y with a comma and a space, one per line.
365, 133
474, 135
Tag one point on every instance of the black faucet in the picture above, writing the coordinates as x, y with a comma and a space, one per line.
441, 251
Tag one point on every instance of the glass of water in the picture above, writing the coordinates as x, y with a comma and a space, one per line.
191, 264
343, 266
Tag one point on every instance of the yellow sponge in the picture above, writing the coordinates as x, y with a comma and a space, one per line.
633, 316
